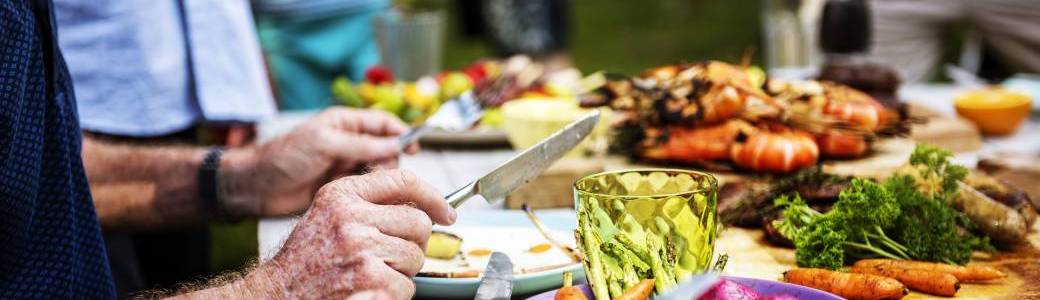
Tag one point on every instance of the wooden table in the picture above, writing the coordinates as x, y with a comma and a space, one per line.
751, 256
450, 169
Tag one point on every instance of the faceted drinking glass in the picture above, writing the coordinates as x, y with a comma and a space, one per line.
653, 223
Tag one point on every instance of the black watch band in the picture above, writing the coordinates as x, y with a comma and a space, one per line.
207, 183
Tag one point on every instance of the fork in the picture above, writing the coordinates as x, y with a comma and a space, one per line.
456, 114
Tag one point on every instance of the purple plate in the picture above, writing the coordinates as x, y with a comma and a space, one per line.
763, 287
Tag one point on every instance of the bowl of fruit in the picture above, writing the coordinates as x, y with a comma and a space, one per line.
994, 110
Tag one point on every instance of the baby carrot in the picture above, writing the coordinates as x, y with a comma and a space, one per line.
931, 282
568, 291
963, 273
848, 285
641, 291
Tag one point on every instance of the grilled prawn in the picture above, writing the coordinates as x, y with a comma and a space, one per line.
713, 111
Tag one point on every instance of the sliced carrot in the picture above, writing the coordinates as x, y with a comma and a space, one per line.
931, 282
641, 291
848, 285
963, 273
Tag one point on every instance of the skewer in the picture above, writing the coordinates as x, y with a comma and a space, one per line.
574, 254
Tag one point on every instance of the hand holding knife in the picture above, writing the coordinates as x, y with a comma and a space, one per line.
527, 165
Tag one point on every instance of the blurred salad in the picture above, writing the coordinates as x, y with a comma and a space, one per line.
411, 101
493, 81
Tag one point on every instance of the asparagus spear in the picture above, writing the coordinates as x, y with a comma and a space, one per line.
621, 253
663, 279
588, 239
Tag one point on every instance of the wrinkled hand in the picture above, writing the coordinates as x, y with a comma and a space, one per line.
364, 236
281, 176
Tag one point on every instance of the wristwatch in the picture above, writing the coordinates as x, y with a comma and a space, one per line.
208, 185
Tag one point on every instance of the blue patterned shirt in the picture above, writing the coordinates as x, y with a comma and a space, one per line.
50, 239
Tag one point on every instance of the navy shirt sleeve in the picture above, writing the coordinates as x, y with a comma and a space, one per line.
51, 239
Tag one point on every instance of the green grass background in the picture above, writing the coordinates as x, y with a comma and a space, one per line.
630, 36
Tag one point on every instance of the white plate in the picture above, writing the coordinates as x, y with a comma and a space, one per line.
514, 242
492, 223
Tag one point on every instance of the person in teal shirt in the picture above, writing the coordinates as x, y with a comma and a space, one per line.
310, 42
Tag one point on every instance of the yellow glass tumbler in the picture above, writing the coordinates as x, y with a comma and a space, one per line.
639, 224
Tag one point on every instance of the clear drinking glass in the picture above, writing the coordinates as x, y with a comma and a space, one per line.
410, 43
653, 223
788, 49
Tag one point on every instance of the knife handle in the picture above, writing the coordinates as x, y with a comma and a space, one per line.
458, 197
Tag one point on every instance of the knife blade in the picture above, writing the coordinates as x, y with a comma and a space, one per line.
497, 283
527, 165
691, 288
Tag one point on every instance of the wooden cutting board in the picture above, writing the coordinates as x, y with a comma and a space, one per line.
954, 133
751, 256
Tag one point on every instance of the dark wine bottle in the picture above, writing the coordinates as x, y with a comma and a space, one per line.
845, 27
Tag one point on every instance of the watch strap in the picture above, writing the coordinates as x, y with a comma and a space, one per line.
208, 183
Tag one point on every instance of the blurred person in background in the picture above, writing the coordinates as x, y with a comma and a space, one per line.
538, 28
309, 42
362, 236
910, 34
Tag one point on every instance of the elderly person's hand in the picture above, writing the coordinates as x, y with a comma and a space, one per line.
281, 176
364, 237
